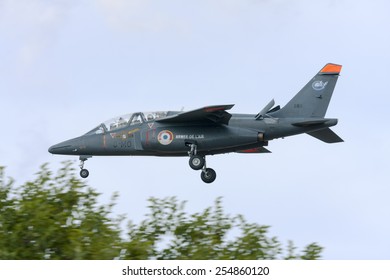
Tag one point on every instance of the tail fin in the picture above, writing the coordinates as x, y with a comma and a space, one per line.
313, 99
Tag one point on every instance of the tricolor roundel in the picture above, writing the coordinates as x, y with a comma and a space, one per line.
165, 137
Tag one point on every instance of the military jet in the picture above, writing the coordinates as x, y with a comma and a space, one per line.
210, 130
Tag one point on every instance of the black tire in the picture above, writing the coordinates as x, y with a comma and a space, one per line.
84, 173
208, 176
197, 162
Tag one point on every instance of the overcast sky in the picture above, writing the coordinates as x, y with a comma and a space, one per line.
66, 66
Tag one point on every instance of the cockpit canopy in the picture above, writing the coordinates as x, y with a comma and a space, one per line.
129, 120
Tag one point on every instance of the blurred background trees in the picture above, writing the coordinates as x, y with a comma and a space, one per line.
57, 216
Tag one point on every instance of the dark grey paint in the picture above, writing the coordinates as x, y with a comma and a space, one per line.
214, 131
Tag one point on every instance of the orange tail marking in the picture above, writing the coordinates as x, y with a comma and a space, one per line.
331, 68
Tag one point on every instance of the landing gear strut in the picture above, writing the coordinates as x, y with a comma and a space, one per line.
84, 173
198, 162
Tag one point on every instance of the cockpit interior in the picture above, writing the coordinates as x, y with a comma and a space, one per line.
131, 119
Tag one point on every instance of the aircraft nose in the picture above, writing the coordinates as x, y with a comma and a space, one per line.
58, 148
69, 147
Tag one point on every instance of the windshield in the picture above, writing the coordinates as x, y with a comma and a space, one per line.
128, 120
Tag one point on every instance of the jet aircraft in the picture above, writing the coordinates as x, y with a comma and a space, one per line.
210, 130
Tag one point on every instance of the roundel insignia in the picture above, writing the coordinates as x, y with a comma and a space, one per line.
165, 137
319, 85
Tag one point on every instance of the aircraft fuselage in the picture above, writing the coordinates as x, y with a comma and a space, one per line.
210, 130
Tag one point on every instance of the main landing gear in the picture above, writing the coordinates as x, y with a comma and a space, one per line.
84, 173
198, 162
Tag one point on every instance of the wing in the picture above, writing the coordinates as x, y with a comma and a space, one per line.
210, 114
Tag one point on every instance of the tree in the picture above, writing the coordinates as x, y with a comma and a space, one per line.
170, 233
55, 217
58, 217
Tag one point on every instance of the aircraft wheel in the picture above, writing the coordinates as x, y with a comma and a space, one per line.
208, 176
84, 173
197, 162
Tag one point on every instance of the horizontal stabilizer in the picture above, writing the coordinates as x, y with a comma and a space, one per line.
258, 150
326, 135
310, 122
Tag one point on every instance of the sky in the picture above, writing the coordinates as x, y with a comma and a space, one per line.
68, 65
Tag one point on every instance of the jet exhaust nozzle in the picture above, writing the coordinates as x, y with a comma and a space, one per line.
260, 137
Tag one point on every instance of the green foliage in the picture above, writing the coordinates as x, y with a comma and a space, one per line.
169, 233
57, 216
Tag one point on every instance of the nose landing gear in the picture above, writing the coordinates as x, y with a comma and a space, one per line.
198, 162
84, 173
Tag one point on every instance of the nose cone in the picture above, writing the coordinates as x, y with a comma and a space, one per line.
69, 147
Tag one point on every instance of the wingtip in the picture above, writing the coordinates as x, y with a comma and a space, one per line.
331, 68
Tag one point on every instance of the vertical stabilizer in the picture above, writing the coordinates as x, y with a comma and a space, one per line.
313, 99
